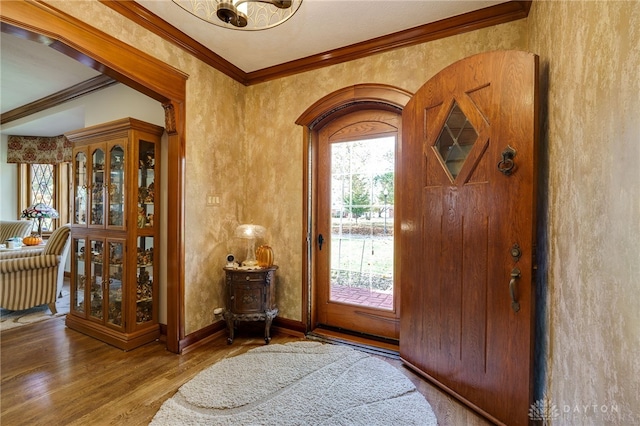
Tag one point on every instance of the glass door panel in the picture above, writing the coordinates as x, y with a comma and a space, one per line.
96, 292
97, 187
116, 186
361, 265
78, 292
116, 274
80, 189
146, 184
144, 278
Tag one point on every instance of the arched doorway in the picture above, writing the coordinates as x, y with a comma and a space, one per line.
350, 100
44, 23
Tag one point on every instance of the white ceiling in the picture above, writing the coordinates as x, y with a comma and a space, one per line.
317, 27
30, 71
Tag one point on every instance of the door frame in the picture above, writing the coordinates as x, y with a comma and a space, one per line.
329, 107
44, 23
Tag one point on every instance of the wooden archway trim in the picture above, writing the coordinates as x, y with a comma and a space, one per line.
96, 49
331, 106
382, 94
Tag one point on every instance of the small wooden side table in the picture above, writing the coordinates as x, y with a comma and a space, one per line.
251, 296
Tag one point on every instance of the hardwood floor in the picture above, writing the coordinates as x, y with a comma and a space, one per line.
51, 375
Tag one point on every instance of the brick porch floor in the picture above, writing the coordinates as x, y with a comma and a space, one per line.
361, 296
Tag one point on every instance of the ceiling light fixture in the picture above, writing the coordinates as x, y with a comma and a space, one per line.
245, 15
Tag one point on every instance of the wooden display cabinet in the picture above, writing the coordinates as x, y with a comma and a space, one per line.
114, 288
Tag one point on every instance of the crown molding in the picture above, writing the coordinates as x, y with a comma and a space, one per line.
487, 17
493, 15
80, 89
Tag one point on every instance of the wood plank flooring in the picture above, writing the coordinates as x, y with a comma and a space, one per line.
51, 375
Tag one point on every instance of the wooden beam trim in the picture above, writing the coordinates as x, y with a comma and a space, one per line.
65, 95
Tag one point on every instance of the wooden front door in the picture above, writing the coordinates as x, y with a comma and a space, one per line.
467, 225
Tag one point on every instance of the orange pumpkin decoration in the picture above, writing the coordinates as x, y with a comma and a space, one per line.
264, 256
33, 240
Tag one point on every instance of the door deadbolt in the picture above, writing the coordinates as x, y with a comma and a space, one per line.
516, 253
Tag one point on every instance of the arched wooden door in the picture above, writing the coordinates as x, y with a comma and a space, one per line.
467, 231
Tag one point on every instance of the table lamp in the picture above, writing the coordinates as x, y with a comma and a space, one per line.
250, 233
40, 211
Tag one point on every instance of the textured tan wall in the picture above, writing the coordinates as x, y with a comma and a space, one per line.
275, 142
590, 58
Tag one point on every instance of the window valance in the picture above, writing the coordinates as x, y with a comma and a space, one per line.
39, 150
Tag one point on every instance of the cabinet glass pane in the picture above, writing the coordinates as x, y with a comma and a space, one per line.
80, 189
77, 292
97, 187
96, 292
144, 278
146, 184
116, 253
116, 186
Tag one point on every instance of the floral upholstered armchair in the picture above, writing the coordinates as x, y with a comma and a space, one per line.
29, 278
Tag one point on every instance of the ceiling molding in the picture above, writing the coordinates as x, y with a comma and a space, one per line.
487, 17
162, 28
65, 95
493, 15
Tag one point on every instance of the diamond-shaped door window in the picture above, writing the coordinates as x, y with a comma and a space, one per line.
456, 140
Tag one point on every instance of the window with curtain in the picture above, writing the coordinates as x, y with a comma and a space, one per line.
43, 174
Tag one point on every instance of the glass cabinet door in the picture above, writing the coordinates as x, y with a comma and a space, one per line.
80, 277
96, 292
97, 187
144, 278
80, 189
146, 184
116, 186
116, 274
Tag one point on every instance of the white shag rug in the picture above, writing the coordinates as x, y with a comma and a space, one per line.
298, 383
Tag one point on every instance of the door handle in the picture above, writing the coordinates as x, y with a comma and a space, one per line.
320, 241
506, 165
515, 274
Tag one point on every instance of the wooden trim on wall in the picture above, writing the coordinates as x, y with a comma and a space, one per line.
493, 15
80, 89
39, 21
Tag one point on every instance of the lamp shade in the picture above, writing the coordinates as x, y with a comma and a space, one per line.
40, 211
250, 233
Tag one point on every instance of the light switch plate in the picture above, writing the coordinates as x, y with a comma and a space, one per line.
213, 200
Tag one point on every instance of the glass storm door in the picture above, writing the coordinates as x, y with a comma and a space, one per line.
355, 281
